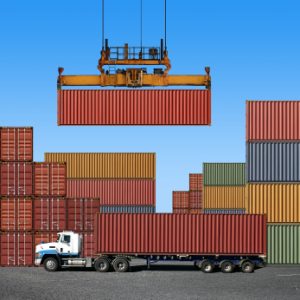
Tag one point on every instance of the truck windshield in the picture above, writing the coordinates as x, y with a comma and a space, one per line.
58, 237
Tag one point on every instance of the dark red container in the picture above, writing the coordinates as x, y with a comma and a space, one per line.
81, 213
16, 214
16, 249
16, 144
50, 214
16, 179
180, 199
44, 237
134, 107
181, 211
173, 234
87, 244
114, 191
50, 179
196, 182
273, 120
195, 200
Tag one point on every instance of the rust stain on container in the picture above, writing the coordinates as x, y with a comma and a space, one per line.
196, 182
272, 120
134, 107
180, 199
106, 165
180, 233
16, 144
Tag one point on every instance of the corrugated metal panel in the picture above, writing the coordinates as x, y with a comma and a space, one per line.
16, 144
87, 244
279, 201
283, 244
16, 179
272, 120
50, 179
44, 237
196, 182
224, 197
195, 200
180, 210
224, 173
127, 209
16, 214
180, 199
224, 211
134, 107
195, 211
114, 191
106, 165
81, 213
273, 162
50, 213
16, 249
180, 234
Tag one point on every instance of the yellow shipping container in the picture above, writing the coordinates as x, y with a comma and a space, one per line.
107, 165
281, 202
224, 197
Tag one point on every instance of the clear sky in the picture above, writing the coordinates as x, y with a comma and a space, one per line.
252, 48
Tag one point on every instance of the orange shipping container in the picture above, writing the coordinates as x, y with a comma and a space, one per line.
195, 200
180, 199
196, 182
281, 202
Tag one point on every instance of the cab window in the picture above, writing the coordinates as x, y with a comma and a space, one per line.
66, 239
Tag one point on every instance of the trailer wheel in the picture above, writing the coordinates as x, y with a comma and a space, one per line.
227, 266
207, 266
102, 264
121, 264
51, 264
247, 266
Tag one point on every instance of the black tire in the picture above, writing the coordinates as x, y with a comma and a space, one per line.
197, 265
247, 266
207, 266
227, 266
121, 264
102, 264
51, 264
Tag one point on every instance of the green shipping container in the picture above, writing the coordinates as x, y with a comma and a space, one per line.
283, 243
224, 174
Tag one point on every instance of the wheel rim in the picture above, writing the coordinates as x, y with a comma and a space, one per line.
247, 267
50, 264
227, 268
121, 266
207, 268
102, 265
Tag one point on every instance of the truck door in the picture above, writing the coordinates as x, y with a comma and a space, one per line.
65, 244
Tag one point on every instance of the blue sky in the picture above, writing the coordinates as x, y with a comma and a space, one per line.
252, 48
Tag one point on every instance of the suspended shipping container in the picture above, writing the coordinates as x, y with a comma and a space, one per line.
196, 182
127, 209
180, 199
106, 165
134, 107
240, 211
195, 200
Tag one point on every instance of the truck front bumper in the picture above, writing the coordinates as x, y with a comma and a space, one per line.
37, 261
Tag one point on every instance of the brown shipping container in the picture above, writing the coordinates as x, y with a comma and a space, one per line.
50, 179
134, 107
279, 201
195, 200
114, 191
180, 199
272, 120
106, 165
16, 179
16, 249
44, 237
16, 144
175, 234
181, 211
196, 182
224, 197
50, 213
81, 213
16, 214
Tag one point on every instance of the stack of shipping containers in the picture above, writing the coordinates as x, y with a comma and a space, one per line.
273, 167
224, 188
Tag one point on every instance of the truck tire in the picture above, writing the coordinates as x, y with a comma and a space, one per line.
102, 264
227, 266
121, 264
51, 264
207, 266
247, 266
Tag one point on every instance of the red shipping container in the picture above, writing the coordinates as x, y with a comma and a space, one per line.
195, 200
16, 249
16, 144
180, 199
44, 237
174, 234
50, 179
81, 213
134, 107
181, 211
50, 213
87, 244
16, 179
273, 120
16, 214
196, 182
195, 211
114, 191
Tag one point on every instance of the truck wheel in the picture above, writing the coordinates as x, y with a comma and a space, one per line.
51, 264
207, 266
102, 265
247, 266
197, 265
121, 264
227, 266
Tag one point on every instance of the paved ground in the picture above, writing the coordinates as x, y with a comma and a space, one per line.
162, 282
